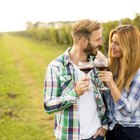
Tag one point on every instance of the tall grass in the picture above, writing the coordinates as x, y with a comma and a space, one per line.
22, 68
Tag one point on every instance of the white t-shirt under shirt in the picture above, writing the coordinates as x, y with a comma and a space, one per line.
88, 117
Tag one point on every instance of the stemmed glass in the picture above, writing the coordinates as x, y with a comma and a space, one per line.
86, 67
102, 64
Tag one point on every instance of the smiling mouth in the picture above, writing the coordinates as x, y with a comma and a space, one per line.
113, 52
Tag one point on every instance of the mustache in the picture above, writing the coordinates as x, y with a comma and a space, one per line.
92, 49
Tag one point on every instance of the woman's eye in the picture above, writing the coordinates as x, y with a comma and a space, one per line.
117, 43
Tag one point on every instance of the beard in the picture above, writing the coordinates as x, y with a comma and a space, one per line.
91, 50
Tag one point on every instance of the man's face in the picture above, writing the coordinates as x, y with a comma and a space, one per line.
94, 43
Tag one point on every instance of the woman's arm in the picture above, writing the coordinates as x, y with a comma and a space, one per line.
125, 102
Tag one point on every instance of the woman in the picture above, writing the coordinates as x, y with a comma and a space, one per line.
123, 81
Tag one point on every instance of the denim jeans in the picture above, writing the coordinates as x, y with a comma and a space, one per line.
98, 138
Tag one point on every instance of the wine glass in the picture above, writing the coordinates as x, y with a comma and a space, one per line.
102, 64
86, 67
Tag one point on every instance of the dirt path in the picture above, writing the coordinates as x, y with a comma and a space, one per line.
32, 69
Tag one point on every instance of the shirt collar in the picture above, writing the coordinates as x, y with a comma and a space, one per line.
66, 56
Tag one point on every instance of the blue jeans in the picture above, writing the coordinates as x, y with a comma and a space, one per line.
98, 138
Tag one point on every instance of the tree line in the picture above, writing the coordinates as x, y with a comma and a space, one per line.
61, 35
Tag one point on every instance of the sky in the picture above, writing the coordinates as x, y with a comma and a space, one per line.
15, 13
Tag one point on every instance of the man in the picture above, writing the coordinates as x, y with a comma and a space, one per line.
79, 110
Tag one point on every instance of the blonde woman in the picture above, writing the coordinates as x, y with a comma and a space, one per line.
123, 80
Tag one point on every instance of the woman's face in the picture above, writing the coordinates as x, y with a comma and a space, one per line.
115, 47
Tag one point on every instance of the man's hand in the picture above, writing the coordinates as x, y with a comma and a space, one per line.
82, 86
100, 132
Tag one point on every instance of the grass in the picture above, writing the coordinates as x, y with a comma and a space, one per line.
22, 69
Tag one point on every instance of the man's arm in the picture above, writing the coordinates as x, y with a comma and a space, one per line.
54, 98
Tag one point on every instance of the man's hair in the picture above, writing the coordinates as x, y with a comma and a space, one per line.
84, 28
129, 42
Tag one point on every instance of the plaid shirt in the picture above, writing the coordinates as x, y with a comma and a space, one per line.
127, 110
61, 98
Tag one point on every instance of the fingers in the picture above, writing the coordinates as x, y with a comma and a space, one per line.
84, 82
105, 76
82, 86
105, 73
100, 132
96, 135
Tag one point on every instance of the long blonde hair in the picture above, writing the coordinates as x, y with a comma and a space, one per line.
125, 68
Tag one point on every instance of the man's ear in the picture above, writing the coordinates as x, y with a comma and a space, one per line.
83, 41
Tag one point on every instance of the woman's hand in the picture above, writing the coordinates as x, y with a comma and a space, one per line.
106, 76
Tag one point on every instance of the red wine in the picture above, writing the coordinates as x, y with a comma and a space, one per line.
102, 68
86, 69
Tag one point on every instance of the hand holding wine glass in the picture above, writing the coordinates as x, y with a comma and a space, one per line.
86, 67
82, 85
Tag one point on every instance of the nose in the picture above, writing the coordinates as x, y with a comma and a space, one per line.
100, 42
112, 45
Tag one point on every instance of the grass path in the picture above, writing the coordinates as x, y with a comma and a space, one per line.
28, 60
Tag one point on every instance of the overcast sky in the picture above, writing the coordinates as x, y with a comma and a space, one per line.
15, 13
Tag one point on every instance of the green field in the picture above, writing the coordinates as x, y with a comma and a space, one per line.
22, 68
